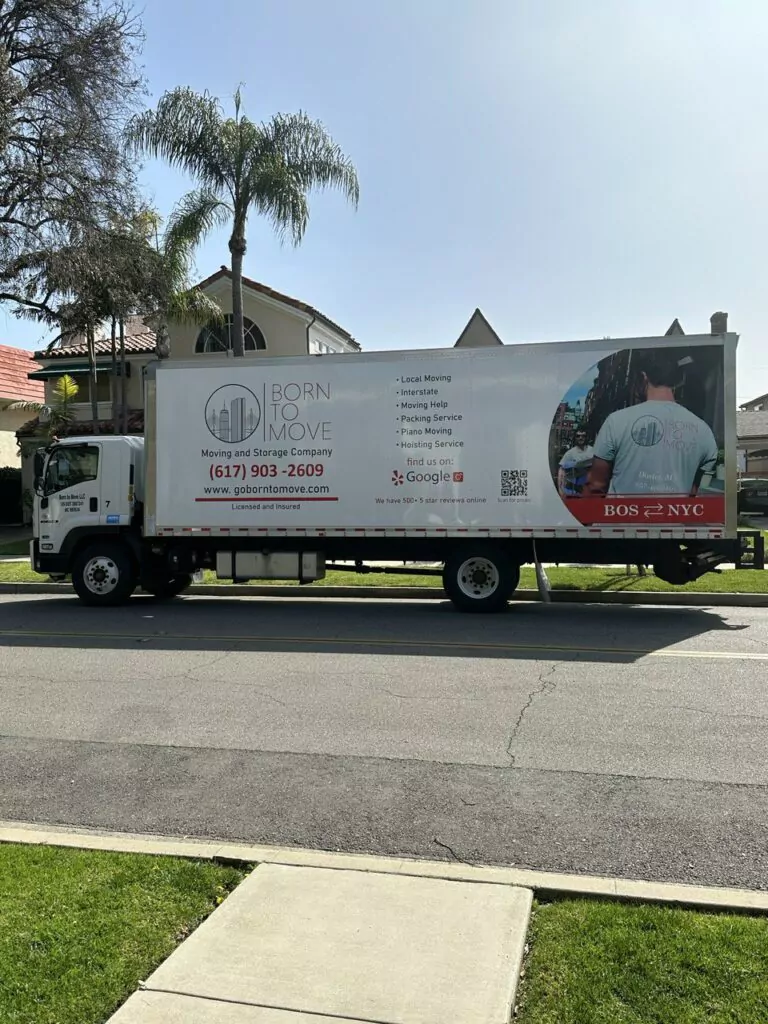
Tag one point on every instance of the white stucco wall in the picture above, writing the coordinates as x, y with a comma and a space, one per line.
284, 332
10, 421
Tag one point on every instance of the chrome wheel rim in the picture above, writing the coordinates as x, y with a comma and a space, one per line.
101, 575
478, 578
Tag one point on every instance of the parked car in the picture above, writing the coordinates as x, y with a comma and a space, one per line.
753, 495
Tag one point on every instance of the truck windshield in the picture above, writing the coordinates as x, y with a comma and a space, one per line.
71, 465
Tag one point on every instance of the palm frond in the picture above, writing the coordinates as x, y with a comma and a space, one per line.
185, 129
277, 195
314, 157
26, 406
66, 389
193, 307
194, 217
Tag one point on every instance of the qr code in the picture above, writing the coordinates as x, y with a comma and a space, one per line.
514, 483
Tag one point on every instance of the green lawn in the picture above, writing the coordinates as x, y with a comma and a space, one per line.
612, 963
732, 581
15, 547
79, 929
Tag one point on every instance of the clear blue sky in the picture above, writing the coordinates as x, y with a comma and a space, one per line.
576, 168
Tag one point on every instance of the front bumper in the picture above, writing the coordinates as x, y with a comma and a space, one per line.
46, 563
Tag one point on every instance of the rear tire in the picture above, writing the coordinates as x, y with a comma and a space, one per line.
480, 579
103, 574
166, 587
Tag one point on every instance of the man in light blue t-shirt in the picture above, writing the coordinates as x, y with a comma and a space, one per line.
656, 447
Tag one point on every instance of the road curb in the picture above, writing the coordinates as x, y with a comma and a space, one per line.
543, 883
685, 599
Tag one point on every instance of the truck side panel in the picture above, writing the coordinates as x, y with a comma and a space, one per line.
608, 439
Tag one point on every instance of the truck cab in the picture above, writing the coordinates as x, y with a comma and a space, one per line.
85, 488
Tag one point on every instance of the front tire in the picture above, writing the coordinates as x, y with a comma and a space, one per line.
166, 587
103, 574
480, 579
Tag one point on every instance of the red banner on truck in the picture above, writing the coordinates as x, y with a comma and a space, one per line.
634, 510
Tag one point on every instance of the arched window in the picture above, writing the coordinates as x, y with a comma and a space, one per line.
219, 338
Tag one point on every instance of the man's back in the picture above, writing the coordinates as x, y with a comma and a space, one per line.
656, 447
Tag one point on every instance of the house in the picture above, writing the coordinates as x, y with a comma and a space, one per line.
275, 325
752, 435
15, 386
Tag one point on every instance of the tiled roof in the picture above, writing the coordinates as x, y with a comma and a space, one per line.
85, 427
15, 364
751, 424
755, 401
138, 344
270, 293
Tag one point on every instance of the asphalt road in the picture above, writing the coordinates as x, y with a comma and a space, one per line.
610, 740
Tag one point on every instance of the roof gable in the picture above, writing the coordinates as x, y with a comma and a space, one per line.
15, 364
674, 329
224, 273
478, 333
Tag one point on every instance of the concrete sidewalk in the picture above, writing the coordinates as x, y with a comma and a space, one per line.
311, 944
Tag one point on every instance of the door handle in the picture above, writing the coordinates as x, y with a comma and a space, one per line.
94, 504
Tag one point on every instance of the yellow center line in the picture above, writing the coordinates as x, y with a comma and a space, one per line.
457, 645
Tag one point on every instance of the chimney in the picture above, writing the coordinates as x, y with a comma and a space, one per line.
718, 323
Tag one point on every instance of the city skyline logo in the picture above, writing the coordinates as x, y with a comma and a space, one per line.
232, 413
647, 431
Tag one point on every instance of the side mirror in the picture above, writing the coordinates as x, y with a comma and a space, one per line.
39, 463
37, 486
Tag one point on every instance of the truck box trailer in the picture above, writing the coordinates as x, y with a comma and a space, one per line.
483, 460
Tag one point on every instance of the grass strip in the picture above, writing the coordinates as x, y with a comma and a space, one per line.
601, 962
79, 928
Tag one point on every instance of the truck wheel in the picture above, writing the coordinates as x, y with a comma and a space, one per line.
103, 574
480, 579
166, 587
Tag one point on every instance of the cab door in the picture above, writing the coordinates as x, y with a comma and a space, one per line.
71, 495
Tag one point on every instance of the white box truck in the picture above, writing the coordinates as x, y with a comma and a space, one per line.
481, 460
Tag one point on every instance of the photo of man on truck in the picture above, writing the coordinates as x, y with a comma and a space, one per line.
656, 416
656, 447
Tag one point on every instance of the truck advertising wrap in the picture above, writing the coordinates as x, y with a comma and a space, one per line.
572, 435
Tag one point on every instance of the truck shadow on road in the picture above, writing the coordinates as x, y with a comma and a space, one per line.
621, 634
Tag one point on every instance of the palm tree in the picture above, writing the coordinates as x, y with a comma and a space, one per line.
240, 167
59, 410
